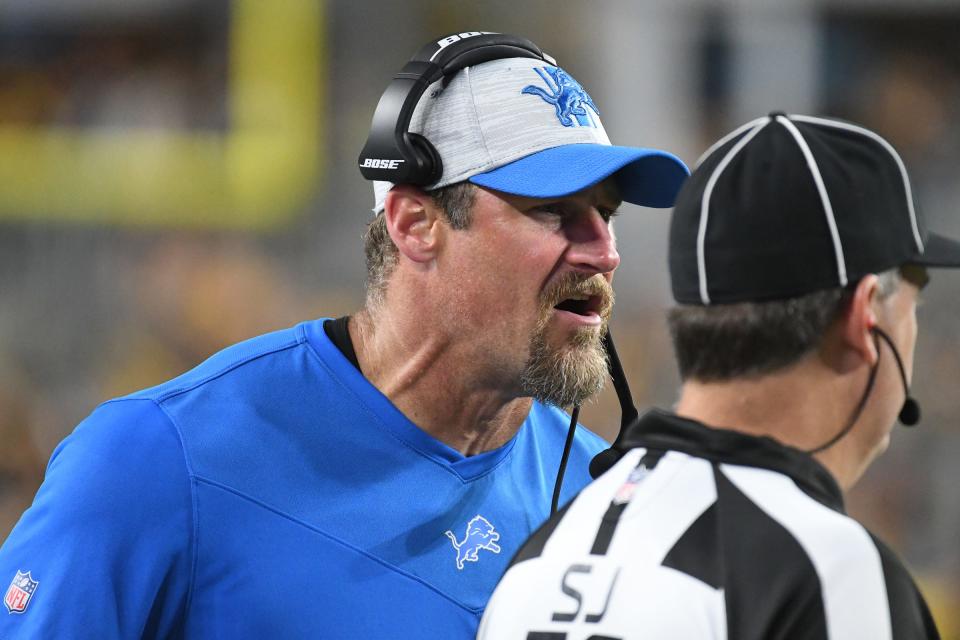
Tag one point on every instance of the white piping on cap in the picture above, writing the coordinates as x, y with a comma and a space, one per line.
758, 124
893, 152
824, 197
727, 138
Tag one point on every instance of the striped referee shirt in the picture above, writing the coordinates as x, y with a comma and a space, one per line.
706, 533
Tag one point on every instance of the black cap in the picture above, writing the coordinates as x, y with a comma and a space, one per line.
788, 205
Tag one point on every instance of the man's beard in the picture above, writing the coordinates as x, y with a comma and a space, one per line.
569, 373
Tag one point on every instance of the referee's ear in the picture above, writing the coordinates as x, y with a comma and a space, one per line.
858, 320
412, 221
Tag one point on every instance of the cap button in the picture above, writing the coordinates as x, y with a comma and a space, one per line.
774, 114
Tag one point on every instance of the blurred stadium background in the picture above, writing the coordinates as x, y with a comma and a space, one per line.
177, 175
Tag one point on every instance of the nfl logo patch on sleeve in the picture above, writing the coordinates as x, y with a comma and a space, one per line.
20, 592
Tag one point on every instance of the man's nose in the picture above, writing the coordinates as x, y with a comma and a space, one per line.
593, 245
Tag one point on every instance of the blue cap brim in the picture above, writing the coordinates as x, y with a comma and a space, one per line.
647, 177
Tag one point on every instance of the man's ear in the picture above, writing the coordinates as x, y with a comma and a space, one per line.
859, 318
413, 222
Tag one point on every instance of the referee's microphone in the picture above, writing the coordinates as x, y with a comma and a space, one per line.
910, 412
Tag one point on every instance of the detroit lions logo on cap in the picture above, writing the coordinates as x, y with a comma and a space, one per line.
567, 97
480, 535
20, 592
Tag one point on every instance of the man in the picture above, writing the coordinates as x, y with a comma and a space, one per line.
370, 476
796, 258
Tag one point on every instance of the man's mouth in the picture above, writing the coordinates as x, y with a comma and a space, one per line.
582, 305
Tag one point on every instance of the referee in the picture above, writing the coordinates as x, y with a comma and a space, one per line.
796, 259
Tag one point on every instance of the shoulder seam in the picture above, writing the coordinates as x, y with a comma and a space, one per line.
194, 516
227, 369
194, 520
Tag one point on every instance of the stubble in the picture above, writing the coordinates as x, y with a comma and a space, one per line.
570, 373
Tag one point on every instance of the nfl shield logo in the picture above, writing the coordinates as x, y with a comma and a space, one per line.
20, 591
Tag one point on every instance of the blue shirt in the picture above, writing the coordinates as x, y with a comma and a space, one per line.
273, 492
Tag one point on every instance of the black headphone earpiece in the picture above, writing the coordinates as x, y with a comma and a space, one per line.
428, 161
392, 153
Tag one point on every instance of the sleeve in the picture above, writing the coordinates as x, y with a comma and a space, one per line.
876, 599
105, 550
909, 615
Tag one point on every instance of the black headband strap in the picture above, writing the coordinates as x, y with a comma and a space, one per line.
391, 152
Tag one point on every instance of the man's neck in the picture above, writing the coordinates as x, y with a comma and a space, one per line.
423, 373
798, 408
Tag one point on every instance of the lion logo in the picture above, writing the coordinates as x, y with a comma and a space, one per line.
480, 535
567, 97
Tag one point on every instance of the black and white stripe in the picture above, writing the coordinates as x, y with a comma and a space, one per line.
708, 192
824, 198
719, 535
846, 126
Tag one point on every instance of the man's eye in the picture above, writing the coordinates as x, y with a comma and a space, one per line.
609, 214
553, 209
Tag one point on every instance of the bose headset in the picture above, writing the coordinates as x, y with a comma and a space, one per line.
391, 152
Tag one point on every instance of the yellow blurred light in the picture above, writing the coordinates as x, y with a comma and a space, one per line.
256, 175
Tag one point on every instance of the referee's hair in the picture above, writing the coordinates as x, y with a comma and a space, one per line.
715, 343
